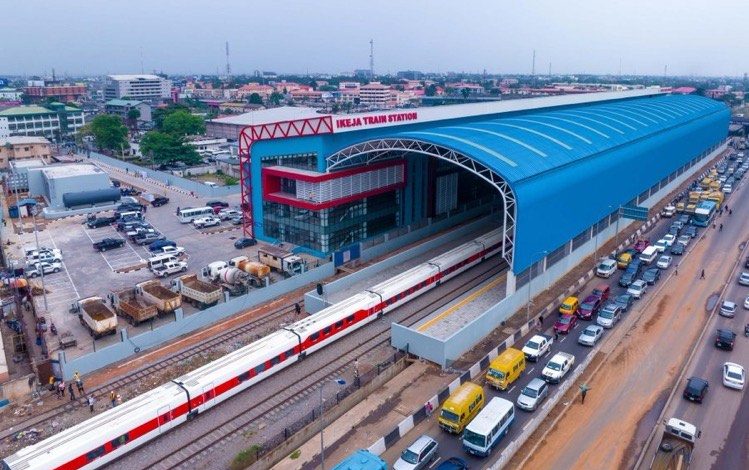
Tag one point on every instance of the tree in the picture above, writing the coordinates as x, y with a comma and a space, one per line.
255, 98
168, 148
465, 92
182, 123
109, 132
276, 98
132, 117
431, 90
159, 114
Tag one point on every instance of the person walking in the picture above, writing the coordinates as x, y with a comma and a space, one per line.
297, 308
702, 274
61, 389
730, 211
556, 335
583, 391
177, 210
113, 398
79, 383
720, 228
70, 390
90, 401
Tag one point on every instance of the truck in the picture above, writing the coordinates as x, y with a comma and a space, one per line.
282, 261
170, 267
96, 317
198, 293
557, 367
537, 346
675, 449
127, 304
259, 273
153, 293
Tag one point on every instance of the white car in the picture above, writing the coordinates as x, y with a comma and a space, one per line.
606, 268
728, 309
44, 256
44, 267
660, 246
590, 335
744, 279
746, 303
684, 240
226, 214
669, 239
734, 376
209, 221
637, 289
172, 250
727, 189
664, 262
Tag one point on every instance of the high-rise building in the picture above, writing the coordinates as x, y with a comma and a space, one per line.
375, 94
137, 87
40, 91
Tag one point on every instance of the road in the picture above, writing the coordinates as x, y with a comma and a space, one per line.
633, 385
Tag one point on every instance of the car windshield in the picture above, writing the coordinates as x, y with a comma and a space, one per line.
554, 366
474, 438
496, 374
589, 331
586, 306
529, 392
410, 456
449, 416
531, 344
567, 306
564, 319
606, 314
733, 375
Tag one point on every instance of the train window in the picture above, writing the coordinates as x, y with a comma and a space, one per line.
350, 319
275, 360
260, 368
326, 330
95, 454
314, 336
289, 353
243, 376
338, 324
119, 441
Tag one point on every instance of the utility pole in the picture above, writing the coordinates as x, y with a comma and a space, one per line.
228, 66
533, 66
371, 58
141, 60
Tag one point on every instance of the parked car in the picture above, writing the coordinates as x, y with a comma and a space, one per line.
637, 289
43, 267
696, 389
206, 222
677, 249
641, 244
44, 256
159, 201
624, 301
217, 204
627, 278
171, 267
148, 238
734, 376
453, 463
226, 214
691, 230
725, 339
159, 245
744, 279
609, 315
420, 454
590, 307
237, 220
684, 240
100, 222
109, 244
651, 276
728, 309
664, 262
533, 394
590, 335
746, 302
170, 249
244, 242
669, 239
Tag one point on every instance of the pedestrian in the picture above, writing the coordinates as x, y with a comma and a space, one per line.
702, 274
61, 389
729, 212
113, 398
720, 228
584, 391
713, 224
78, 382
428, 408
676, 271
177, 210
556, 335
145, 209
70, 390
297, 308
90, 401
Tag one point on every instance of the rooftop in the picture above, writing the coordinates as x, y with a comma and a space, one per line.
134, 77
117, 102
67, 171
20, 140
265, 116
23, 110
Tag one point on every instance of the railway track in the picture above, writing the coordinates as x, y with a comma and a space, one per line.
102, 392
219, 431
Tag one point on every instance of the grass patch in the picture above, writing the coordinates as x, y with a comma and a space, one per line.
245, 458
295, 455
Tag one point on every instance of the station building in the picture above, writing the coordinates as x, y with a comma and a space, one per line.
552, 172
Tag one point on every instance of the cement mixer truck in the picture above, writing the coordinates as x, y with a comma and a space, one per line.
259, 273
238, 275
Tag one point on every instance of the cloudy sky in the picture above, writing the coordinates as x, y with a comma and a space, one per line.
187, 36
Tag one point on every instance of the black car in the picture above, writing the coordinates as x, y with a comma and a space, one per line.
696, 389
627, 278
244, 243
453, 463
217, 203
673, 230
651, 276
746, 262
677, 249
100, 222
109, 244
684, 219
624, 301
725, 339
159, 201
691, 230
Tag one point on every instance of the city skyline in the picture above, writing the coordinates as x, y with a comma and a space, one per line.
181, 38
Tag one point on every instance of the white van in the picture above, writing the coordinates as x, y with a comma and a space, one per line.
160, 260
488, 427
649, 254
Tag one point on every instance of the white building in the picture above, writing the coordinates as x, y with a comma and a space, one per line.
375, 95
137, 87
10, 94
54, 121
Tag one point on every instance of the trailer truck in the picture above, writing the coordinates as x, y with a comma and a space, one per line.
675, 449
198, 293
153, 293
96, 317
127, 303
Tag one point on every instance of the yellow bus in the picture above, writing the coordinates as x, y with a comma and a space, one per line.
505, 368
460, 407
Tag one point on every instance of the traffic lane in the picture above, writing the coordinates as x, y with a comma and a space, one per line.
737, 441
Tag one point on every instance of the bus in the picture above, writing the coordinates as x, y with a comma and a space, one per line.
704, 212
361, 460
486, 429
188, 214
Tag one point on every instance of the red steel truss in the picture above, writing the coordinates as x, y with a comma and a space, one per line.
277, 130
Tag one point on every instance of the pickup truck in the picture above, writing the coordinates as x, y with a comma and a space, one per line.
557, 367
537, 346
109, 244
148, 238
677, 443
171, 267
206, 222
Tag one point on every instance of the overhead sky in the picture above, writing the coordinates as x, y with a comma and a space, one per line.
691, 37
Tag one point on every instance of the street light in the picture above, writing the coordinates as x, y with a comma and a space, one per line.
338, 381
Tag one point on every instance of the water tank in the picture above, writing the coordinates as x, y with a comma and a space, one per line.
88, 198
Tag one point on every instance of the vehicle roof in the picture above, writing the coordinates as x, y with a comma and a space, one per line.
536, 383
570, 298
733, 365
725, 332
507, 357
418, 445
591, 298
463, 393
490, 415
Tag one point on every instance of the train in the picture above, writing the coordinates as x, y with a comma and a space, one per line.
116, 431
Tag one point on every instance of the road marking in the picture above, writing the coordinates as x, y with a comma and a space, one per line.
435, 462
531, 369
562, 340
511, 389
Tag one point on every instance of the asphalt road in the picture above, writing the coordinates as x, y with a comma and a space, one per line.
451, 445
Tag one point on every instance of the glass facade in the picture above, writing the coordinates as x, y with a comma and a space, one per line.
302, 161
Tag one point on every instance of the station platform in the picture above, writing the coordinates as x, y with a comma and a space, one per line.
446, 321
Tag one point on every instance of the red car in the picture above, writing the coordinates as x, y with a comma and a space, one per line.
602, 292
641, 245
565, 323
590, 307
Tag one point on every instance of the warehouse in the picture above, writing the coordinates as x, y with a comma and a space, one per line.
69, 189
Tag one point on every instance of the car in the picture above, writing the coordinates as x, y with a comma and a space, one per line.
590, 307
635, 265
627, 278
44, 256
170, 267
678, 223
734, 376
606, 268
725, 339
651, 276
128, 207
641, 244
100, 222
602, 291
420, 454
148, 238
109, 244
244, 242
203, 222
43, 267
727, 309
140, 232
677, 249
533, 394
684, 240
217, 204
684, 219
159, 245
590, 335
669, 239
624, 301
453, 463
227, 214
691, 231
565, 323
746, 303
696, 389
673, 231
746, 262
744, 279
660, 245
609, 315
159, 201
664, 262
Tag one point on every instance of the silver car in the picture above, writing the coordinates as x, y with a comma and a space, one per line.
744, 279
590, 335
728, 309
533, 394
418, 455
